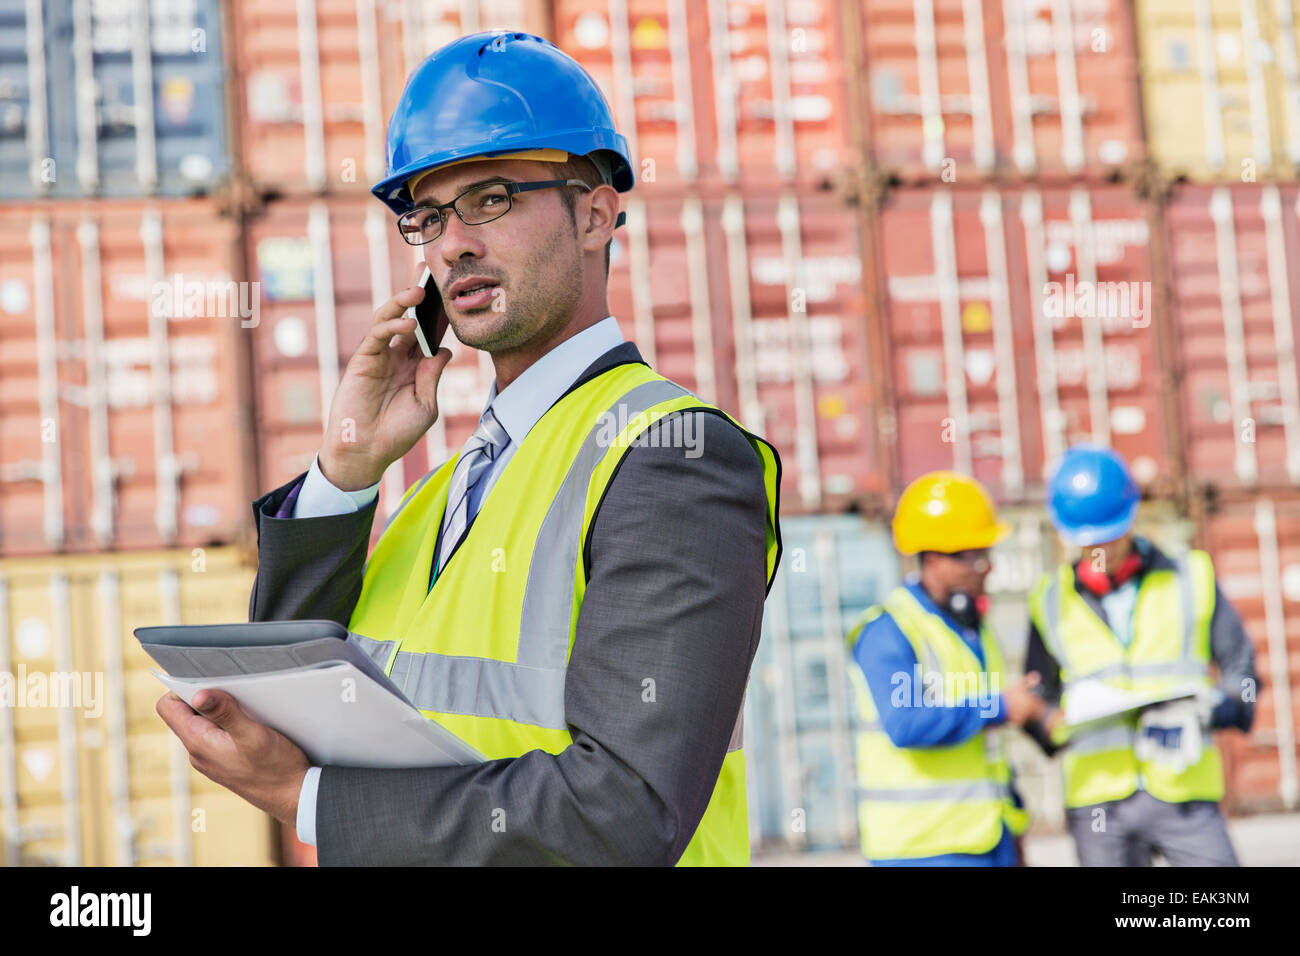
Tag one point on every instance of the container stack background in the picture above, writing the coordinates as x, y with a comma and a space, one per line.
889, 235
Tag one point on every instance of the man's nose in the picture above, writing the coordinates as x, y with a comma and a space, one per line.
458, 240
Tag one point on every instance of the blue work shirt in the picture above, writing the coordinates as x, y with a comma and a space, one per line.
883, 651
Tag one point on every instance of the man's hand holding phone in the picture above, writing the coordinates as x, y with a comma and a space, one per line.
387, 397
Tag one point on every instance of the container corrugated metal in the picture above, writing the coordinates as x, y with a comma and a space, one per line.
961, 90
1234, 254
101, 781
121, 377
800, 711
755, 302
1221, 87
1021, 322
320, 79
730, 90
1255, 545
94, 102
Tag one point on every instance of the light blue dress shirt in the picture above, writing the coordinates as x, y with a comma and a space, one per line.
518, 409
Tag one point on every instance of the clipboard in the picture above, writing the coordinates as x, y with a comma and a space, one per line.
308, 681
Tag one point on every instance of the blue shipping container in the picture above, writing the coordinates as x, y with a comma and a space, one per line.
91, 104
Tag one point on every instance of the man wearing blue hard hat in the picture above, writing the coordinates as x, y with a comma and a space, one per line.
578, 594
1123, 639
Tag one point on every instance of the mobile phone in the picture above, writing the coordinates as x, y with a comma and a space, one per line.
430, 317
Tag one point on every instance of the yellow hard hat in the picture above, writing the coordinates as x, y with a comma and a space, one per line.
945, 511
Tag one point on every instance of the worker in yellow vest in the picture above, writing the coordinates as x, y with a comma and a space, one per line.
935, 788
1122, 639
578, 594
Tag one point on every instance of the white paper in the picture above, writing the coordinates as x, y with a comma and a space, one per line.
338, 716
1093, 700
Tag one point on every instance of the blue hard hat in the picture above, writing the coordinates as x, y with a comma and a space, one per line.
496, 93
1091, 496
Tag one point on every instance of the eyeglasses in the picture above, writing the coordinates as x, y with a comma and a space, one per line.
474, 207
976, 557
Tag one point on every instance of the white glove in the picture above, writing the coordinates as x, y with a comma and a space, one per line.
1206, 701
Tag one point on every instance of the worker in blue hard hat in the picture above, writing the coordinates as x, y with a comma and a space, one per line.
558, 594
1122, 638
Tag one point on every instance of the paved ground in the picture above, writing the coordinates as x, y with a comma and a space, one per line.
1265, 840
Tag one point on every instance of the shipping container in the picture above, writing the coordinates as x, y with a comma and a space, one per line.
122, 377
1022, 321
89, 773
729, 90
1255, 545
111, 99
755, 303
320, 79
963, 90
1221, 87
1234, 255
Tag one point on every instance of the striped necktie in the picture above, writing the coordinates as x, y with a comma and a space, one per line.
475, 458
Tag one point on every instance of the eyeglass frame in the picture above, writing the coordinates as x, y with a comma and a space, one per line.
967, 556
511, 189
971, 557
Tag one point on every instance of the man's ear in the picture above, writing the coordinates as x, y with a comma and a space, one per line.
601, 218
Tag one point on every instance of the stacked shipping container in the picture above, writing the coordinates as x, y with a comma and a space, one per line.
124, 425
1221, 89
89, 774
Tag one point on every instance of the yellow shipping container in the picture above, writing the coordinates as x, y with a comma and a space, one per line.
89, 774
1221, 87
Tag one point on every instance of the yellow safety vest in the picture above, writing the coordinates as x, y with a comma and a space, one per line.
924, 801
484, 652
1170, 648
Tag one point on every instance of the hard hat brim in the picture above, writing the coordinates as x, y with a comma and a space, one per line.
392, 191
1085, 535
987, 538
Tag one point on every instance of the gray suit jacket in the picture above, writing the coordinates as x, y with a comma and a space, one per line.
677, 579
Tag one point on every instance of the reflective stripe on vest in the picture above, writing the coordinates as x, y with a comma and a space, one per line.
972, 790
472, 685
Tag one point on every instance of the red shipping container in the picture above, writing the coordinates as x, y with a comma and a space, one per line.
320, 79
731, 90
1255, 545
1021, 322
1234, 253
961, 90
122, 392
756, 304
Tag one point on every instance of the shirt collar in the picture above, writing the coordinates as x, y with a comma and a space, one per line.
527, 398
